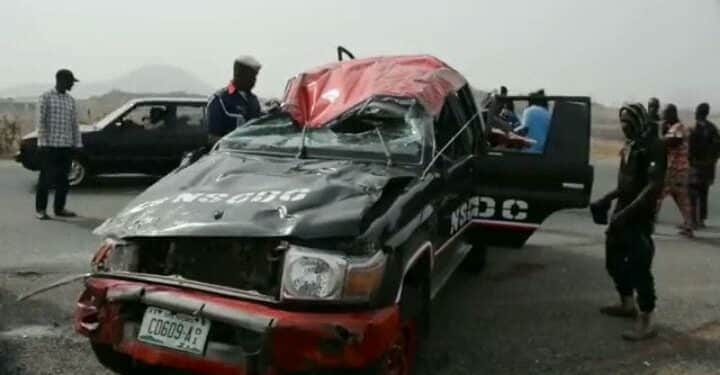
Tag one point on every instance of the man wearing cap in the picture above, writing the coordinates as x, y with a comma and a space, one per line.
58, 137
235, 104
704, 153
629, 248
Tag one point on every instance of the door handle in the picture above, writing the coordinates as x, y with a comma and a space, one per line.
573, 185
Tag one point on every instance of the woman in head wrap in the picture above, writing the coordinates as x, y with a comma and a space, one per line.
675, 137
629, 248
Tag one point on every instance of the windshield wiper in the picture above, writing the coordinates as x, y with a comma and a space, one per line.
385, 146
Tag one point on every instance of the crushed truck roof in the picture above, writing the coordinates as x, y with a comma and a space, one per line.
319, 96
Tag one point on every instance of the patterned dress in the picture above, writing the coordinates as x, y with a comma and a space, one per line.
678, 170
678, 161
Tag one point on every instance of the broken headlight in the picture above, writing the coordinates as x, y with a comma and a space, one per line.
313, 275
116, 256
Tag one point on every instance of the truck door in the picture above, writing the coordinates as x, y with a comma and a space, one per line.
455, 143
519, 189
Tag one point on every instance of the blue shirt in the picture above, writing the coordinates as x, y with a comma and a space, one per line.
537, 120
234, 102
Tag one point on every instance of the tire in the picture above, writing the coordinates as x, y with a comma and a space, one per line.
415, 318
399, 360
112, 360
476, 260
79, 173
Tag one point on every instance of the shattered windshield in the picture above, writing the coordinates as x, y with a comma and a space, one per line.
372, 132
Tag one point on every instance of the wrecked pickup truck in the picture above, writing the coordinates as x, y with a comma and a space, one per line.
313, 240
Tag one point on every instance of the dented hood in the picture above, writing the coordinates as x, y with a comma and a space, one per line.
237, 195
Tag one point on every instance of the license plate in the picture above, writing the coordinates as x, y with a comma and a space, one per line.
173, 330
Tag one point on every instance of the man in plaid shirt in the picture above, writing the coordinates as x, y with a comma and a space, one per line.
58, 137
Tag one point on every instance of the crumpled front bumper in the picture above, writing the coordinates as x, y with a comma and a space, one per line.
273, 341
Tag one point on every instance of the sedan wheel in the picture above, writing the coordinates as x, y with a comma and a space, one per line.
77, 174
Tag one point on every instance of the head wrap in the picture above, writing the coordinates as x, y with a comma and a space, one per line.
638, 116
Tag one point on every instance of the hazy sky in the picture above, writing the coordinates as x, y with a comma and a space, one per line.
614, 50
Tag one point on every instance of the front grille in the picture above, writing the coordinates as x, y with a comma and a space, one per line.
245, 264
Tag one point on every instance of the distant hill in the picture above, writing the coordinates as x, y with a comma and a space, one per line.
147, 79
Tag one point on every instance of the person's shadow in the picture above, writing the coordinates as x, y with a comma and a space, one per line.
84, 222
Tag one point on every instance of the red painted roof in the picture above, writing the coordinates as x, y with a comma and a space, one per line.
318, 96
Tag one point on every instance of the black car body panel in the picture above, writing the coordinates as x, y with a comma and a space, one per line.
117, 145
525, 189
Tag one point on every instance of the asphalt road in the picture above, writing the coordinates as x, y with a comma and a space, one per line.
534, 310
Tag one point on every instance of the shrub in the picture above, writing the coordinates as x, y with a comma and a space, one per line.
9, 135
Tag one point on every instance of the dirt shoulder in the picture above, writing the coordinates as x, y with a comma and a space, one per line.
601, 149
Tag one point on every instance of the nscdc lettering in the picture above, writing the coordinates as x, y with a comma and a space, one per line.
487, 208
270, 196
463, 214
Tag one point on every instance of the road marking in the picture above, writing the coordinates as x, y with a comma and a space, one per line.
32, 331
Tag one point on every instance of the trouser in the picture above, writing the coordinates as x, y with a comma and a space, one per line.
629, 254
54, 168
699, 201
677, 188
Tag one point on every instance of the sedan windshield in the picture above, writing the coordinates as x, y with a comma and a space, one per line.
379, 131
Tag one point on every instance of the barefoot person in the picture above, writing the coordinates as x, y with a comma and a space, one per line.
629, 248
58, 137
675, 137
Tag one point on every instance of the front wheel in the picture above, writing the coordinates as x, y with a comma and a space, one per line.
414, 316
78, 173
400, 359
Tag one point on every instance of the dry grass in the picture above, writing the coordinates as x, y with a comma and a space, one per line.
605, 149
10, 131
